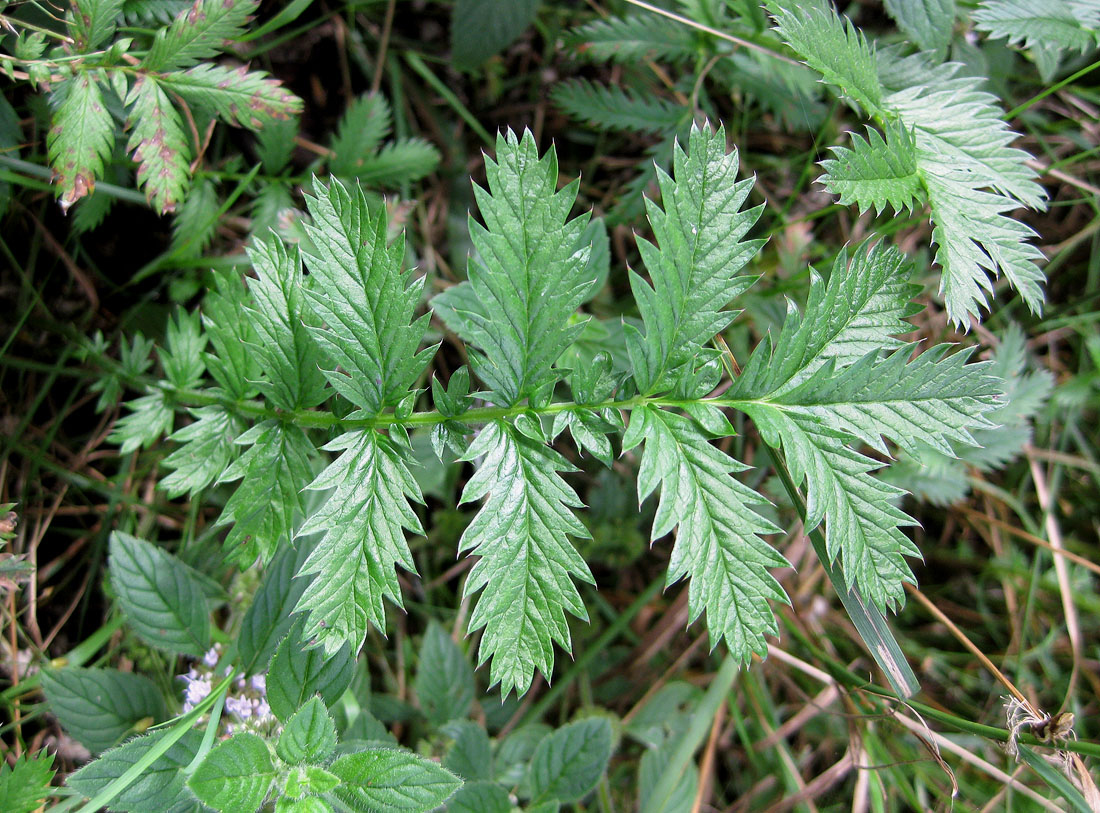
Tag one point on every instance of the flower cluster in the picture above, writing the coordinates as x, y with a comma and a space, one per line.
246, 701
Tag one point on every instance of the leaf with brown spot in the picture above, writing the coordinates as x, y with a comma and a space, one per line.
158, 144
81, 139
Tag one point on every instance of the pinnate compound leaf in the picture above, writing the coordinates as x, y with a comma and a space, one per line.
268, 502
568, 763
695, 268
25, 783
81, 139
527, 564
718, 544
163, 602
444, 678
235, 95
876, 172
482, 28
160, 787
158, 144
363, 525
298, 672
404, 161
608, 107
309, 735
199, 32
98, 707
831, 46
632, 39
366, 122
392, 780
236, 775
529, 276
364, 299
93, 21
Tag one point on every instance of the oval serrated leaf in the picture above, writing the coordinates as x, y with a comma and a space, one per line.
480, 797
98, 707
236, 775
163, 602
268, 619
309, 736
297, 673
569, 762
444, 678
160, 786
388, 779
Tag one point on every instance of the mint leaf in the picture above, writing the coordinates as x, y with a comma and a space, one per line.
98, 707
568, 763
236, 775
388, 779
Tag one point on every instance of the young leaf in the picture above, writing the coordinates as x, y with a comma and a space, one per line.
444, 678
25, 783
388, 779
365, 300
158, 787
696, 271
612, 108
481, 28
98, 707
403, 161
235, 95
529, 276
526, 560
875, 172
309, 735
159, 145
200, 32
236, 775
569, 762
196, 220
718, 544
93, 22
359, 134
297, 673
364, 523
163, 602
81, 139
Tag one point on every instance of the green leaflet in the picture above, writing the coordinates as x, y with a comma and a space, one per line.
875, 172
695, 268
365, 301
527, 562
530, 273
718, 544
197, 33
363, 524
